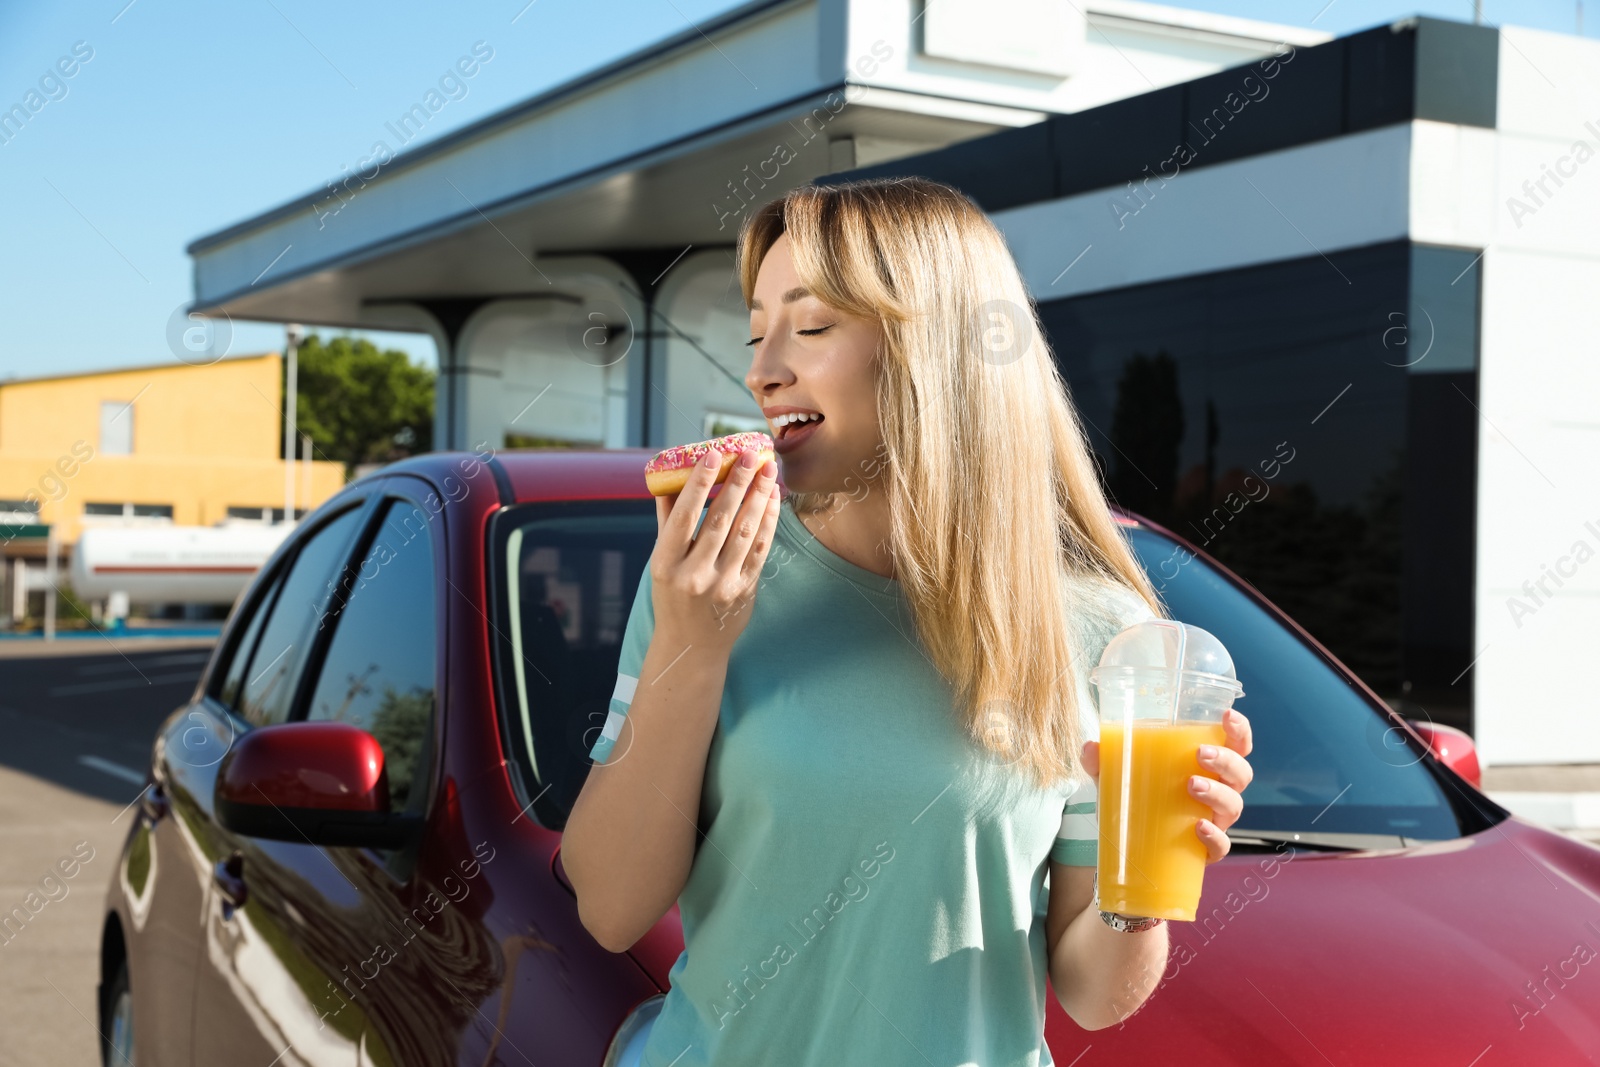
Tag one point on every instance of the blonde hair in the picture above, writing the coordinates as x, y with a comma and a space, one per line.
992, 489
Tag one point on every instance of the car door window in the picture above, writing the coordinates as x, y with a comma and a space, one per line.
249, 629
378, 673
297, 614
564, 577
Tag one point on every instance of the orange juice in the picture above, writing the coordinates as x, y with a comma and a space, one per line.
1151, 861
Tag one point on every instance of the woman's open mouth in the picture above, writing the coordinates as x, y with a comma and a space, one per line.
792, 430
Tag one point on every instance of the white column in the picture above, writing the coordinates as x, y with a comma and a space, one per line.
701, 330
290, 405
551, 367
305, 469
51, 547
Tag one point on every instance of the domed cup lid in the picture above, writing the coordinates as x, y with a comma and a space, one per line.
1153, 649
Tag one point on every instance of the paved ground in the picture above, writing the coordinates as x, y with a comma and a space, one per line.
77, 724
1566, 796
1559, 778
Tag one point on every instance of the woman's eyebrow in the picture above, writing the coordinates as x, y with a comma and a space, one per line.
799, 292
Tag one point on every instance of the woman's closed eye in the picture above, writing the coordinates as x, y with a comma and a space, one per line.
808, 333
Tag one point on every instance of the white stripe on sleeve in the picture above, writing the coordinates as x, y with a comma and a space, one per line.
627, 684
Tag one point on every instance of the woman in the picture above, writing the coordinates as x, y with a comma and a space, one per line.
844, 737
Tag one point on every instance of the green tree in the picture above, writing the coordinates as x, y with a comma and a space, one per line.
362, 405
71, 609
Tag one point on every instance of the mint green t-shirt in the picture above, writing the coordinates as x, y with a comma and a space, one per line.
870, 885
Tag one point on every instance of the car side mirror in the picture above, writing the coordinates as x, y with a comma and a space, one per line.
322, 782
1453, 748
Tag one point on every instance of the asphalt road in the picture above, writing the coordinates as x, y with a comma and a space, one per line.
77, 721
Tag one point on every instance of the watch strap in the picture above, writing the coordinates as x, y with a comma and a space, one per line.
1129, 923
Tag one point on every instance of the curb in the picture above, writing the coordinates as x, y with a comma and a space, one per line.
1560, 811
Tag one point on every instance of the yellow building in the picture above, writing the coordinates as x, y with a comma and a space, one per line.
166, 443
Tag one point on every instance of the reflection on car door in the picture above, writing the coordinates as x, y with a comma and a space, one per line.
167, 868
358, 948
235, 1022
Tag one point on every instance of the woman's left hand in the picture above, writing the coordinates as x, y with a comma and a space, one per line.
1220, 793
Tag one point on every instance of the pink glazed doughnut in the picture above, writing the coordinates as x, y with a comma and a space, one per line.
669, 470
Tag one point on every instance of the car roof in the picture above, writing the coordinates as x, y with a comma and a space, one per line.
541, 474
575, 474
538, 474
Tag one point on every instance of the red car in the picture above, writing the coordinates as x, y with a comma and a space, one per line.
348, 850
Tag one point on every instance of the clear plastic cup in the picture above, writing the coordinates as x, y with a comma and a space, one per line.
1161, 687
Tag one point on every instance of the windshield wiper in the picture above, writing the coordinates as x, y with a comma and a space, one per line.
1319, 840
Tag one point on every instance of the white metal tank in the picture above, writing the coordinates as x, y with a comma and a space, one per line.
172, 564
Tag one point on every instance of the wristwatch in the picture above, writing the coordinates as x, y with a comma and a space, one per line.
1129, 923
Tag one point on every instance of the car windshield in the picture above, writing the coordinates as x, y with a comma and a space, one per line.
564, 575
1325, 760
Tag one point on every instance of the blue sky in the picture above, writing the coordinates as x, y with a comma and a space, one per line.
188, 116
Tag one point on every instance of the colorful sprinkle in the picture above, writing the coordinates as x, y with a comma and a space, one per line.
679, 456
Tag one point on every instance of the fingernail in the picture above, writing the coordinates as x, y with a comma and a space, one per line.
1201, 785
711, 459
747, 460
1208, 751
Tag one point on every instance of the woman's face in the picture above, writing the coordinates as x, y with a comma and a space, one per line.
814, 360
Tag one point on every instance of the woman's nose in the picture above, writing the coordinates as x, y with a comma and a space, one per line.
767, 368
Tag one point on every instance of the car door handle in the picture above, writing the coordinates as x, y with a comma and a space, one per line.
153, 802
228, 875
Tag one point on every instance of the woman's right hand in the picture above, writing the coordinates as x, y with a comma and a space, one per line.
703, 585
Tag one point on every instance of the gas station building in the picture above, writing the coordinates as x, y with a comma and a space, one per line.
1369, 260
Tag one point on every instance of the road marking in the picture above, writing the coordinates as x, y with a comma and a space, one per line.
116, 770
184, 677
159, 661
